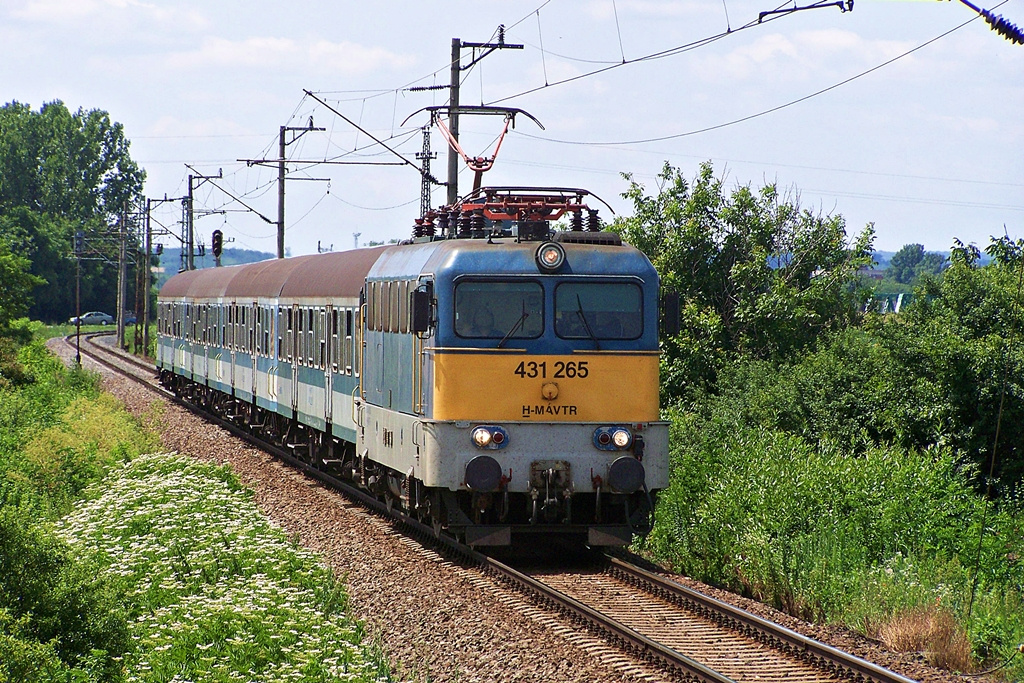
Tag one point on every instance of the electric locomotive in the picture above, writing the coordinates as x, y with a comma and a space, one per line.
492, 376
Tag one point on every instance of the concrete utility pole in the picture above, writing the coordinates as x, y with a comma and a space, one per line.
122, 273
453, 102
79, 245
280, 194
149, 277
190, 255
453, 122
281, 170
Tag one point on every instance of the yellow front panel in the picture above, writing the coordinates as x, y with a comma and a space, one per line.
501, 387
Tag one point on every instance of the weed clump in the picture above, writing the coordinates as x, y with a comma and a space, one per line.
933, 632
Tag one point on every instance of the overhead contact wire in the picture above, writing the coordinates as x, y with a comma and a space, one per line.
743, 118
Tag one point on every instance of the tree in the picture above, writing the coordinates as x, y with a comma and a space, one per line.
62, 164
756, 274
958, 349
16, 284
904, 262
912, 261
61, 172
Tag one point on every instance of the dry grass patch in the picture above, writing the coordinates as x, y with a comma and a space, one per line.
931, 631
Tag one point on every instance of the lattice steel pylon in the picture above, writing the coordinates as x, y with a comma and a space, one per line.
427, 180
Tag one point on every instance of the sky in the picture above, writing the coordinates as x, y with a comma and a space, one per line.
905, 114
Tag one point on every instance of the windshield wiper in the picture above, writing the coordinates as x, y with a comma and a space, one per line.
586, 325
515, 327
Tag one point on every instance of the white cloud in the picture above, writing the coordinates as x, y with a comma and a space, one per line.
352, 58
101, 12
650, 9
776, 57
285, 53
57, 11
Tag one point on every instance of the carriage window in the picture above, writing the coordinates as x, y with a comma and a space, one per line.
346, 352
279, 349
603, 310
290, 339
268, 331
251, 328
492, 310
309, 337
321, 335
300, 336
258, 337
335, 345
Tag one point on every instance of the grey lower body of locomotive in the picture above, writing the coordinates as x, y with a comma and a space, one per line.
553, 478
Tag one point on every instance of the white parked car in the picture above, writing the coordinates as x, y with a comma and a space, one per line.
93, 318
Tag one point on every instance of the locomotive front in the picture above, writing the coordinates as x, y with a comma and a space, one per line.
541, 386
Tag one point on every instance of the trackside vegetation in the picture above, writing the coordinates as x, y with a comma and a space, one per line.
116, 565
841, 465
213, 590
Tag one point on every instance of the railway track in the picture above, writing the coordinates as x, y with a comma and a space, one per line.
680, 631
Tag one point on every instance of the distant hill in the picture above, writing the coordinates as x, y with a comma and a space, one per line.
170, 261
882, 258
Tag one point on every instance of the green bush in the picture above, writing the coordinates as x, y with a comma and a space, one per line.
24, 659
52, 603
58, 435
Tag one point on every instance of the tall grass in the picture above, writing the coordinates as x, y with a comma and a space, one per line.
861, 540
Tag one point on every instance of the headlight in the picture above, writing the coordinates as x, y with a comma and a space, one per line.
612, 438
621, 438
489, 437
482, 437
550, 256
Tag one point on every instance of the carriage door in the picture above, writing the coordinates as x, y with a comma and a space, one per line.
232, 324
297, 351
330, 325
253, 337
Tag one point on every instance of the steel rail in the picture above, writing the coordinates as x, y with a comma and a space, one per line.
752, 624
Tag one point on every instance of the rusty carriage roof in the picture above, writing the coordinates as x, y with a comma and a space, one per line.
334, 274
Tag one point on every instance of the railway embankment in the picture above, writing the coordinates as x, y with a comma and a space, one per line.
121, 564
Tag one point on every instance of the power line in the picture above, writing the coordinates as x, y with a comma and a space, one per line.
742, 119
772, 164
661, 54
364, 131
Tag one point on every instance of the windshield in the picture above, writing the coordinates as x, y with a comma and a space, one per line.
496, 310
598, 310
